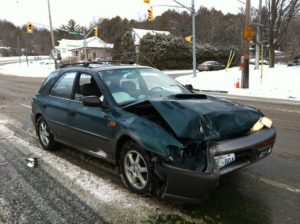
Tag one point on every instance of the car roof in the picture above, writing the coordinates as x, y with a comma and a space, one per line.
209, 62
101, 67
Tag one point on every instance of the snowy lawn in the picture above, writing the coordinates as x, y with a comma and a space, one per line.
279, 82
22, 58
40, 68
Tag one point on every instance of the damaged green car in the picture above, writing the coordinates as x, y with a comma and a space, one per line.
164, 138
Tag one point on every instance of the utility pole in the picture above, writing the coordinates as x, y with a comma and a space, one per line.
245, 75
258, 36
85, 35
193, 12
52, 35
84, 45
194, 37
19, 51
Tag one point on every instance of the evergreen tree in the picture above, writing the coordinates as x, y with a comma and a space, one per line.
128, 48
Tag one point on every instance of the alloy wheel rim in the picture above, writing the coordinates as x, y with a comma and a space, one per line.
136, 169
44, 133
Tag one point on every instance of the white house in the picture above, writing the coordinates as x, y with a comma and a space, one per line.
96, 48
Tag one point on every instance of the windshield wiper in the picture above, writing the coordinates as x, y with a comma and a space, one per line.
127, 103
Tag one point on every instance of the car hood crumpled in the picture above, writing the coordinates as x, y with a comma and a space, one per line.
205, 118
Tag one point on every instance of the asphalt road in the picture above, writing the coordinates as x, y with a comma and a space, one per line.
265, 192
30, 195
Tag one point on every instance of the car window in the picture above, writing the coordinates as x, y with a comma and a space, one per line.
86, 86
64, 85
51, 76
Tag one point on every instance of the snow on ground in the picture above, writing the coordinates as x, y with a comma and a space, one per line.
175, 72
35, 68
280, 82
22, 58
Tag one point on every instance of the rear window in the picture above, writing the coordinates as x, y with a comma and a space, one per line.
51, 76
64, 86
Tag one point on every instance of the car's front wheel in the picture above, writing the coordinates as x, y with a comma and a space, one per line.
46, 138
136, 169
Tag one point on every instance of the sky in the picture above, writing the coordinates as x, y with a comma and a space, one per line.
85, 12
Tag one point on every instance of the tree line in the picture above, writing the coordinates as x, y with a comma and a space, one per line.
14, 38
280, 21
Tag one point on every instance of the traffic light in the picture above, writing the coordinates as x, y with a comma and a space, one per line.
189, 39
29, 27
147, 1
96, 31
150, 14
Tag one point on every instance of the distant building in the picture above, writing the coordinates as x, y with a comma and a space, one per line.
95, 48
138, 34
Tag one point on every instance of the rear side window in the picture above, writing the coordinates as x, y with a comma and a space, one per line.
64, 85
86, 86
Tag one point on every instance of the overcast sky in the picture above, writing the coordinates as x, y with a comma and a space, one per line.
84, 12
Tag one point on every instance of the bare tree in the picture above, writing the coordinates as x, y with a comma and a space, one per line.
281, 12
291, 43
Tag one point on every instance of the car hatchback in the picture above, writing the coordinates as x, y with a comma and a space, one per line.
164, 138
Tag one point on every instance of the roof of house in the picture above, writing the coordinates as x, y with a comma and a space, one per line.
138, 34
91, 42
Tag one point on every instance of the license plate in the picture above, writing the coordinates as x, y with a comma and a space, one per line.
224, 160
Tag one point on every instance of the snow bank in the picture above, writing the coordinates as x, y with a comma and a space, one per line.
280, 82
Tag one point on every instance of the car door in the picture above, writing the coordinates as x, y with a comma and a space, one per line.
55, 106
89, 125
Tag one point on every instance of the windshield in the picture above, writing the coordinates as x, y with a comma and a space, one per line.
130, 85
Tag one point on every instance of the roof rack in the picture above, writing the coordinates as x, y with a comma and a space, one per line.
87, 64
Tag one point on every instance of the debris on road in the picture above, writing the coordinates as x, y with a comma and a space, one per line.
31, 162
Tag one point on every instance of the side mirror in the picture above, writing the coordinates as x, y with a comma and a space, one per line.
92, 101
189, 87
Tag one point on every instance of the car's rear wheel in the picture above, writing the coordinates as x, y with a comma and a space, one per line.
136, 169
46, 138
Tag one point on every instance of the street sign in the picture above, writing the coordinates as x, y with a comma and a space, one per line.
249, 33
74, 32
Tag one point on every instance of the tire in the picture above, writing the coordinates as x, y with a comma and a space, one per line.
44, 134
137, 170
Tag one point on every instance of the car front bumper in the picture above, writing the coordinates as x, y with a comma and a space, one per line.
188, 185
193, 186
247, 149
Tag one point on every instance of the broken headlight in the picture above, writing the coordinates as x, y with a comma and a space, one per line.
188, 151
262, 122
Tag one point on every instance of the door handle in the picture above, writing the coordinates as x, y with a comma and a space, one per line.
72, 112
